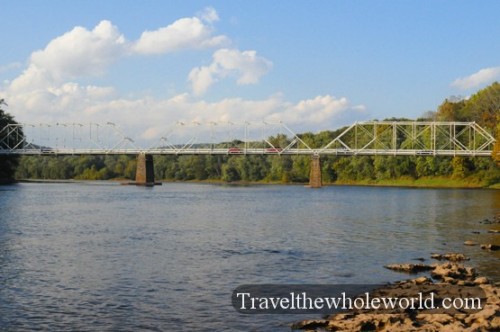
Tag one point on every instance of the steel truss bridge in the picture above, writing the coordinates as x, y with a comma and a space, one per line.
409, 138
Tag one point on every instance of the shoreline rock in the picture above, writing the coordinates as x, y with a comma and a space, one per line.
409, 268
452, 257
490, 247
450, 277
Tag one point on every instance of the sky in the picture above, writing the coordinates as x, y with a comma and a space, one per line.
313, 65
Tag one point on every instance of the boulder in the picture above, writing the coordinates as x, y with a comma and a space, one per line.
481, 281
421, 280
490, 247
310, 324
409, 268
452, 257
453, 270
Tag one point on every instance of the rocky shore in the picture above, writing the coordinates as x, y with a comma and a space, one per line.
450, 278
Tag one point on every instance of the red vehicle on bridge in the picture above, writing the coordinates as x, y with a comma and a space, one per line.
234, 151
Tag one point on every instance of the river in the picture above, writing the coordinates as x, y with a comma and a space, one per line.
97, 256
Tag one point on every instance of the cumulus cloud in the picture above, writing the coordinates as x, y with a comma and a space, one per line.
84, 53
80, 52
320, 112
51, 80
66, 102
77, 53
483, 76
246, 66
146, 119
185, 33
51, 89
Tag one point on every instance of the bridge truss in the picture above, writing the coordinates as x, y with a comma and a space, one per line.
361, 138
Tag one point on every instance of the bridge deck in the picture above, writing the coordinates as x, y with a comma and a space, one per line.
335, 152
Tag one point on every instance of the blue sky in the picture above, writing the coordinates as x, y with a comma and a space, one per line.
311, 64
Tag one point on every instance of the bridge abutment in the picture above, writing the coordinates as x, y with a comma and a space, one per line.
145, 174
315, 174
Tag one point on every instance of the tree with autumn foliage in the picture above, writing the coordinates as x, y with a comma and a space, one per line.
482, 107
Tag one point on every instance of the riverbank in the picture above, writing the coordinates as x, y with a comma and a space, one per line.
470, 182
455, 281
434, 182
425, 182
451, 279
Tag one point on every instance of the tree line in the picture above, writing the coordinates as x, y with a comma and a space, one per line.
483, 108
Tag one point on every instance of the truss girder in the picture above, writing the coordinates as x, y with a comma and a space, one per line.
412, 138
360, 138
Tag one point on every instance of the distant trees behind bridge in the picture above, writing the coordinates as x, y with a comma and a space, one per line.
483, 108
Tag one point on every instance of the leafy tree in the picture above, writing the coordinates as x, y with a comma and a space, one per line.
426, 166
460, 167
496, 150
8, 164
484, 107
230, 171
450, 111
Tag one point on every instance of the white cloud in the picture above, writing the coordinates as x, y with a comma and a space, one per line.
77, 53
81, 52
201, 79
146, 119
246, 66
50, 84
50, 88
321, 112
85, 53
209, 15
483, 76
66, 102
185, 33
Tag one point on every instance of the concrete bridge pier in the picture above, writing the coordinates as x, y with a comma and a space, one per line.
315, 174
145, 174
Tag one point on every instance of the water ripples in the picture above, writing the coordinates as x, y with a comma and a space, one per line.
108, 257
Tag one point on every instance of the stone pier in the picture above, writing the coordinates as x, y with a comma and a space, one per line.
145, 174
315, 175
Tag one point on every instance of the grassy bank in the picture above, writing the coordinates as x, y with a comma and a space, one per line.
425, 182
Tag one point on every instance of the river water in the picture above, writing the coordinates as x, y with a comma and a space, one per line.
103, 257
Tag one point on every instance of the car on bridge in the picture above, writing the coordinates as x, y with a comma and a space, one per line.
234, 151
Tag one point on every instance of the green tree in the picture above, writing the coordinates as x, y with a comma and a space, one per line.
496, 150
301, 167
426, 166
484, 107
230, 170
8, 164
460, 169
450, 111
